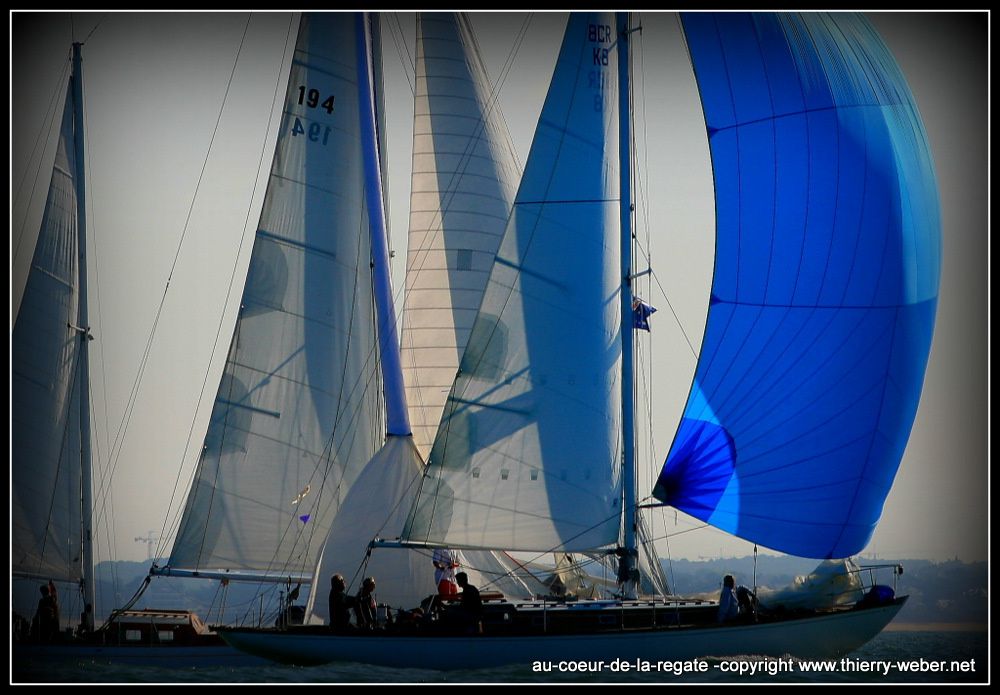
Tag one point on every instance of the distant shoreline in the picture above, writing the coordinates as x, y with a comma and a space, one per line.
935, 627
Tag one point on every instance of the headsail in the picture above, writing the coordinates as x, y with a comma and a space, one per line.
299, 400
526, 457
825, 288
376, 506
460, 200
45, 426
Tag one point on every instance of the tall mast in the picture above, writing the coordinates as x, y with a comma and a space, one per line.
625, 187
378, 99
83, 372
397, 418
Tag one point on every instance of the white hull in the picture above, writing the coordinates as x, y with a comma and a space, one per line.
824, 636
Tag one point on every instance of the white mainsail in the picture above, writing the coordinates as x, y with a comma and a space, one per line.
297, 412
526, 457
460, 199
46, 478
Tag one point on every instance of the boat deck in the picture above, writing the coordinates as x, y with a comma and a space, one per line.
503, 617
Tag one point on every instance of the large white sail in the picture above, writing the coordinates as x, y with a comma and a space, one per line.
45, 427
526, 457
297, 412
461, 194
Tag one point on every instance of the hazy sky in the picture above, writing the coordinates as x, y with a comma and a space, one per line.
155, 84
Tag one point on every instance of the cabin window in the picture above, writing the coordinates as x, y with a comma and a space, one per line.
133, 635
165, 635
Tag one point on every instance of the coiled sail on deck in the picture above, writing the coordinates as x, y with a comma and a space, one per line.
825, 287
296, 415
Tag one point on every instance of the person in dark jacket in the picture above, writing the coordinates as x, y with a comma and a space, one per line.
340, 605
471, 605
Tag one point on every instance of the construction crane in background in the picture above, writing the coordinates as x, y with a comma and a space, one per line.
150, 540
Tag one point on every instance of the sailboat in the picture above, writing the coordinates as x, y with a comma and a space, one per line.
300, 384
818, 331
51, 465
530, 452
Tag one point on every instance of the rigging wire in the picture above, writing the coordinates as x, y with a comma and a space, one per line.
646, 365
133, 395
407, 65
96, 26
673, 312
215, 345
642, 387
99, 465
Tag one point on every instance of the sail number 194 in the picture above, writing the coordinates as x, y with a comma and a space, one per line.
311, 99
316, 131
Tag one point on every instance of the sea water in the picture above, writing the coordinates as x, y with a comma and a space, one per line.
892, 657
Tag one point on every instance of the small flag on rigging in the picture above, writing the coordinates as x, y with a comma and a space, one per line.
641, 312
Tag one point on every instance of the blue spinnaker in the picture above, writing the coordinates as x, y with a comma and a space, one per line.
825, 288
